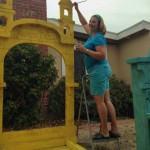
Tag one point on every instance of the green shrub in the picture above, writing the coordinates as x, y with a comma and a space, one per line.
120, 96
27, 75
57, 100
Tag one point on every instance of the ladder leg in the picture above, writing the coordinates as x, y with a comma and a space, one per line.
87, 113
119, 148
91, 140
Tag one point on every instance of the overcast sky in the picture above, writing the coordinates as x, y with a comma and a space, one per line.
117, 14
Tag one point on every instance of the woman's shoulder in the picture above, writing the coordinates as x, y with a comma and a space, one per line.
100, 36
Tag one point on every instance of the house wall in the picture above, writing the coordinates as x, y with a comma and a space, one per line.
136, 46
113, 52
58, 60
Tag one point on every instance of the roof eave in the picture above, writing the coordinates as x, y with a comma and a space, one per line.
140, 26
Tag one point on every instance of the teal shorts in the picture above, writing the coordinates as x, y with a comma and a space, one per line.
99, 78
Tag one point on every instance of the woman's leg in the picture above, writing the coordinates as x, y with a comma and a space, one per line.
102, 111
111, 112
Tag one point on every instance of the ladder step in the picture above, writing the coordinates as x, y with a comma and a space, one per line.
106, 140
89, 102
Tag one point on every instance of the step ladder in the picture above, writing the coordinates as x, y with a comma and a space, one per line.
86, 102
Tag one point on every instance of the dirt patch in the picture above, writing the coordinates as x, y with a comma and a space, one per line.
127, 140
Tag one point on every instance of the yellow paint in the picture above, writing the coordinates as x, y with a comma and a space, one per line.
41, 32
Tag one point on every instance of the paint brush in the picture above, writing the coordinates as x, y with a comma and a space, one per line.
82, 1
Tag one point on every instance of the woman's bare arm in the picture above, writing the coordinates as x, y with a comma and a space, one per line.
82, 19
100, 52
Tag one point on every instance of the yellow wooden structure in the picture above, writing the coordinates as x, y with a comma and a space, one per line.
60, 38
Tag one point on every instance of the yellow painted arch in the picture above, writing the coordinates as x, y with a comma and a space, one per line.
44, 33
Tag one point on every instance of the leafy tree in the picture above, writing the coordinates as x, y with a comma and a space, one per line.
27, 75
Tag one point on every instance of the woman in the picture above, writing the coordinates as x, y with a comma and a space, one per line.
95, 57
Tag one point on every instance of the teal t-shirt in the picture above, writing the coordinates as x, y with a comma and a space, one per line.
91, 44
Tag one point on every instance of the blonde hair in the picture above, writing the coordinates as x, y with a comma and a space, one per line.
102, 27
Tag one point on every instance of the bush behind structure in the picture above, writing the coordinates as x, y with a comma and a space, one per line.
27, 75
120, 92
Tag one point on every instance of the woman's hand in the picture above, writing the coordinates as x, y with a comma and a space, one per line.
80, 48
100, 52
76, 6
